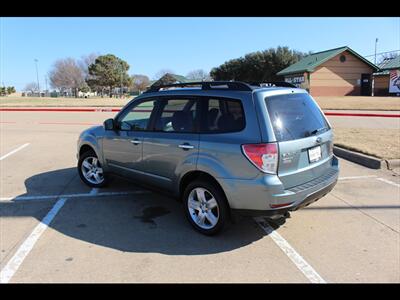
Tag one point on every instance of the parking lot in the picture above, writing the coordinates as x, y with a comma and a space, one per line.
53, 228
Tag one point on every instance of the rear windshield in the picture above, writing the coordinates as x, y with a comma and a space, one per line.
295, 116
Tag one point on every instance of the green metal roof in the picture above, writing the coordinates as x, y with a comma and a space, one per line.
310, 62
387, 65
391, 63
179, 78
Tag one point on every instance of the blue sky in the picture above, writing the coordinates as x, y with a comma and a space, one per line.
179, 44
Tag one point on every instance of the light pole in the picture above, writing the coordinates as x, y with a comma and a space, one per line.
373, 78
37, 76
121, 79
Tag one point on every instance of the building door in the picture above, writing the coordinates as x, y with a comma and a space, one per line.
365, 84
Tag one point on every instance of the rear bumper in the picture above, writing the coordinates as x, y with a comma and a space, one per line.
266, 196
310, 199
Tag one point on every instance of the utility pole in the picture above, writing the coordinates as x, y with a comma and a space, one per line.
37, 76
45, 78
373, 77
121, 79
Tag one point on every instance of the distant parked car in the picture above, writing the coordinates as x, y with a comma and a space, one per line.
221, 147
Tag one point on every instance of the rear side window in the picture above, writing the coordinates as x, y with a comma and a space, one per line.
295, 116
223, 115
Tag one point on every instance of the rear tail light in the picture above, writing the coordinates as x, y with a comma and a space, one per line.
263, 156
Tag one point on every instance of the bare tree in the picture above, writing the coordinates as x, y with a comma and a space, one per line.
140, 82
162, 72
86, 61
387, 56
31, 87
198, 74
66, 74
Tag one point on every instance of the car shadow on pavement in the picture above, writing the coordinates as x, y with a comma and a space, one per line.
138, 222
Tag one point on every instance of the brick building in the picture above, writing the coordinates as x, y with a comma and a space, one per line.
335, 72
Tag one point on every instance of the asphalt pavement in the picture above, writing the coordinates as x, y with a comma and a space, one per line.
53, 228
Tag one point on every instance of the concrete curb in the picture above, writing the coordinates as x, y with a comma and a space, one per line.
359, 158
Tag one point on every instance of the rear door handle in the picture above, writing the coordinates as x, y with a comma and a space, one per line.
136, 141
186, 146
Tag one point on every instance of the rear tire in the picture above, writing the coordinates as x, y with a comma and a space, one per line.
205, 207
90, 170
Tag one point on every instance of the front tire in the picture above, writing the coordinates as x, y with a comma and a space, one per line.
90, 170
205, 207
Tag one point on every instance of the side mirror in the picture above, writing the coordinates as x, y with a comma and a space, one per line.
109, 124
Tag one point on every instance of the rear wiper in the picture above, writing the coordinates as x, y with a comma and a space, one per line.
316, 131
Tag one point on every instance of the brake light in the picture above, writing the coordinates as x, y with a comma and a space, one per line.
263, 156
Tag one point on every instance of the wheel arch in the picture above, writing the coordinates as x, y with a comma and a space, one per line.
85, 148
199, 175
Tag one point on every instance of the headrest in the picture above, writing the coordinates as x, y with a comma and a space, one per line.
182, 121
226, 121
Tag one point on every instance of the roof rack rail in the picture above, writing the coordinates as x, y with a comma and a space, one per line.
273, 83
205, 85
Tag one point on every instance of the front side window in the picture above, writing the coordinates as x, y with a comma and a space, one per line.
176, 115
138, 117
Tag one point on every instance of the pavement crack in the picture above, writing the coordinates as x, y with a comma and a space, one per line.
363, 212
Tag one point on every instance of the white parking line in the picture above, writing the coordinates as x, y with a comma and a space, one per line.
15, 150
388, 182
357, 177
295, 257
91, 194
14, 263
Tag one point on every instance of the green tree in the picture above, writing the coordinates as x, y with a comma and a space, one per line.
84, 87
2, 90
10, 90
258, 66
108, 72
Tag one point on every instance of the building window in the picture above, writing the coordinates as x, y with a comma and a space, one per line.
342, 58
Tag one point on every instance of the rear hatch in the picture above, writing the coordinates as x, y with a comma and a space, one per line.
304, 138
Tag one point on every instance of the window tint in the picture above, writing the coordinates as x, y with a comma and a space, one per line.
295, 116
224, 115
177, 115
138, 117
